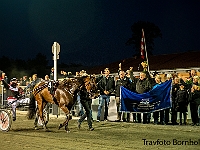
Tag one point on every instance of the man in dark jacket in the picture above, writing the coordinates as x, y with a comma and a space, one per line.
143, 85
125, 82
106, 85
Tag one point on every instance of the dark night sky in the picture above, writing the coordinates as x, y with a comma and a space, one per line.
94, 32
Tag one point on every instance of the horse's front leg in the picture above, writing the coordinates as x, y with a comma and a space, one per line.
68, 117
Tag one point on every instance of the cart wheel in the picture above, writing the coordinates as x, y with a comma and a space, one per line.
5, 120
40, 123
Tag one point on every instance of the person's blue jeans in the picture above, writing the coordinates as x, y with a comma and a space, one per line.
80, 106
103, 99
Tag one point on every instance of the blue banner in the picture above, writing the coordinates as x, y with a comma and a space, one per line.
157, 99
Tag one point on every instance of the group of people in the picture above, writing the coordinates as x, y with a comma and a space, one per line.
184, 93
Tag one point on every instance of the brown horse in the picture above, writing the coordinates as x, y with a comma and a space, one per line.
65, 96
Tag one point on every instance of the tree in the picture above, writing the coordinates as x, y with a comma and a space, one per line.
151, 32
38, 65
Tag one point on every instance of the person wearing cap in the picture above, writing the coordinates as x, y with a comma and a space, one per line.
12, 94
106, 85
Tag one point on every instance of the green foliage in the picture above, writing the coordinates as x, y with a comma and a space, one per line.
18, 68
151, 31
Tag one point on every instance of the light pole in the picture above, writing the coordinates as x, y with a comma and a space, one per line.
55, 51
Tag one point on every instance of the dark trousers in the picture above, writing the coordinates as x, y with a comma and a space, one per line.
167, 115
156, 116
87, 106
138, 117
174, 114
184, 117
162, 116
146, 117
134, 117
194, 112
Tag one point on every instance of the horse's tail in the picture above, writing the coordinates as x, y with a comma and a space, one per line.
32, 107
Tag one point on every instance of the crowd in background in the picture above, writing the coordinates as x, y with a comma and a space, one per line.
184, 92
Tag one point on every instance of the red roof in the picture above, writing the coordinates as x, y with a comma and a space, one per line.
160, 62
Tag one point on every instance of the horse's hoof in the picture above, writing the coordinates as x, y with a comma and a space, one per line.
60, 126
47, 130
68, 131
36, 128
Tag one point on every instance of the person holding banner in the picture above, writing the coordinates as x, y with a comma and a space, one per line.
143, 85
156, 113
125, 82
175, 88
129, 74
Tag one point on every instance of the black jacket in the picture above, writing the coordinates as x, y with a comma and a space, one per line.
195, 97
107, 84
182, 97
84, 95
175, 88
126, 82
143, 86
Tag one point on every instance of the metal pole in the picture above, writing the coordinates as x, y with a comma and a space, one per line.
55, 60
2, 95
145, 48
55, 51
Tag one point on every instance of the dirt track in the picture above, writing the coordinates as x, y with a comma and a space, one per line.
107, 135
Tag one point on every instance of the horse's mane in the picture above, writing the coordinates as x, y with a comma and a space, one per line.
72, 80
65, 83
81, 79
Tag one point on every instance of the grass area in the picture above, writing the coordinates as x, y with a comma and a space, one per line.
106, 136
